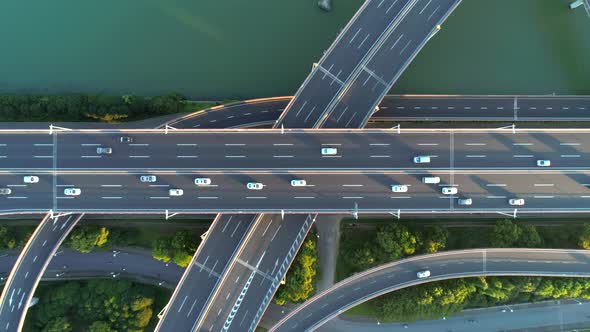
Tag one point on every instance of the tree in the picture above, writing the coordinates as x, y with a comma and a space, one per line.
505, 234
584, 238
299, 282
59, 324
434, 239
7, 238
529, 237
396, 241
161, 250
100, 326
86, 238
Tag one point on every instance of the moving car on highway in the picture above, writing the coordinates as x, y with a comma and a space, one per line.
31, 179
431, 179
5, 191
147, 178
254, 186
175, 192
464, 201
543, 163
399, 188
423, 274
202, 181
516, 201
329, 151
72, 191
449, 190
125, 139
104, 150
421, 159
298, 183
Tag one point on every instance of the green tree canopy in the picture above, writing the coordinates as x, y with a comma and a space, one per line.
584, 239
59, 324
505, 234
395, 241
529, 237
85, 238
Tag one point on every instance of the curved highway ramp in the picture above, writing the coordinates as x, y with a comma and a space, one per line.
445, 265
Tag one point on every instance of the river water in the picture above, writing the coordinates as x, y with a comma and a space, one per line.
212, 49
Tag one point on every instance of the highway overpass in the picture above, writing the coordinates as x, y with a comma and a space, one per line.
491, 166
386, 278
364, 62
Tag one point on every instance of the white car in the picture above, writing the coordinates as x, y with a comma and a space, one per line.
449, 190
421, 159
298, 183
329, 151
516, 201
31, 179
254, 186
543, 163
147, 178
464, 201
202, 181
72, 191
423, 274
399, 188
5, 191
175, 192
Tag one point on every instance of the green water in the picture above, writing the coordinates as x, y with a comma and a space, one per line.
236, 49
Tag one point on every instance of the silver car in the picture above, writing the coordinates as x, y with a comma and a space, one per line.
464, 201
104, 150
147, 178
176, 192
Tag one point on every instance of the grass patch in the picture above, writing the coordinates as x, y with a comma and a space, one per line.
367, 309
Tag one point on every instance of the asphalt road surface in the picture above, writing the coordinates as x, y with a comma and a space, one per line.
250, 283
29, 268
291, 150
377, 74
202, 277
489, 166
342, 60
447, 265
515, 108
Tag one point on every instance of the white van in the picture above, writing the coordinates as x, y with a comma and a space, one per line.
431, 179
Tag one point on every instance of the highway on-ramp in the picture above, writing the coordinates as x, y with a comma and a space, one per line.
445, 265
30, 266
